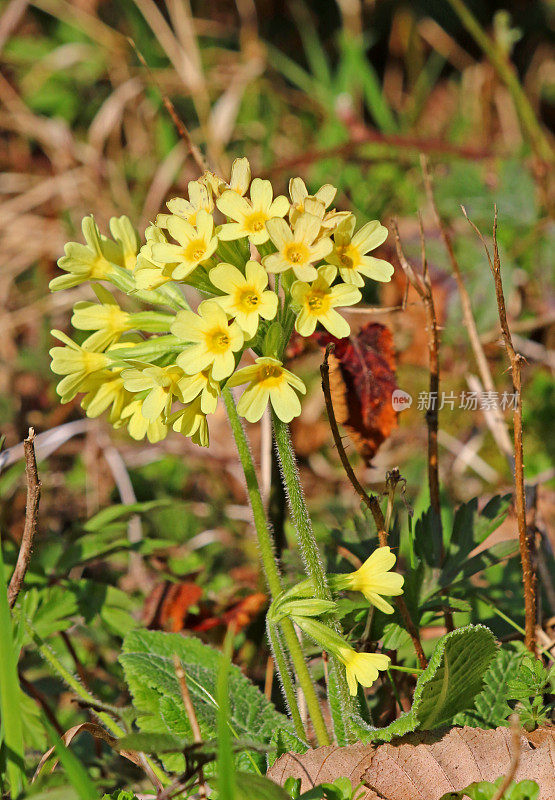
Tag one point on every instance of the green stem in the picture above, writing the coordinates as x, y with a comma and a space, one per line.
53, 661
282, 666
308, 546
273, 579
301, 518
507, 73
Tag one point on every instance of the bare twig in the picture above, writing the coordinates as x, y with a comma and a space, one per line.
424, 288
526, 543
191, 715
31, 518
371, 501
515, 758
498, 427
179, 125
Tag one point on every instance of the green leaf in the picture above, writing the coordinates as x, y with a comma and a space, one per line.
147, 661
120, 513
486, 790
447, 686
283, 741
257, 787
490, 706
151, 743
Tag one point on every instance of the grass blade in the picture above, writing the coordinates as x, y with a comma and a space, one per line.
10, 691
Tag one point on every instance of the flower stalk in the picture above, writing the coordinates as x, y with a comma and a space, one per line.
273, 579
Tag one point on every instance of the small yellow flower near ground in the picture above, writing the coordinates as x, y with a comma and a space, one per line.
162, 385
362, 668
349, 252
139, 426
196, 245
191, 421
94, 260
268, 380
297, 249
106, 391
317, 302
214, 340
199, 198
245, 298
202, 384
77, 363
250, 216
127, 238
373, 579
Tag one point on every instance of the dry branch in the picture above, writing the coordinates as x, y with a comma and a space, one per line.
526, 543
495, 420
370, 501
31, 519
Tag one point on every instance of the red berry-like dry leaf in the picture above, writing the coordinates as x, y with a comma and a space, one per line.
362, 381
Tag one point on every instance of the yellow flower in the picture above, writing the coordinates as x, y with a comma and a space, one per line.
250, 216
94, 260
106, 390
238, 182
245, 298
107, 319
297, 249
162, 384
373, 579
110, 321
127, 238
214, 340
302, 201
139, 426
361, 668
317, 302
202, 384
349, 252
77, 363
196, 245
149, 275
191, 421
268, 380
199, 198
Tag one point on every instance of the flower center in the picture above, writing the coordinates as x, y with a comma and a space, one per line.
348, 256
255, 222
100, 268
219, 341
271, 375
296, 253
249, 300
195, 250
316, 302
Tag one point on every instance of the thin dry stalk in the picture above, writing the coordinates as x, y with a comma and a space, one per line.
515, 758
423, 287
191, 715
526, 543
370, 501
179, 126
31, 518
495, 420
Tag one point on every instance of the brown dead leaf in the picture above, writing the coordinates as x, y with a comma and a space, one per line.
362, 380
426, 765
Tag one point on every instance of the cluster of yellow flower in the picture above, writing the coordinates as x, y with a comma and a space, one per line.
271, 266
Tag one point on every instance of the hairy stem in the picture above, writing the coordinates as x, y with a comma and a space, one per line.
307, 542
273, 580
